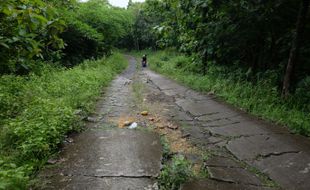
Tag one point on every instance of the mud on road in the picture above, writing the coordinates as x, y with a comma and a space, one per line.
243, 151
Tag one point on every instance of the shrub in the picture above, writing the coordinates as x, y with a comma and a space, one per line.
173, 175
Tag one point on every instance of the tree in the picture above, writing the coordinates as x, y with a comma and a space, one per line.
293, 58
29, 30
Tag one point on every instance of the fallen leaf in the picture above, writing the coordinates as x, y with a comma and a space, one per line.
127, 123
161, 126
174, 127
92, 119
145, 113
69, 140
186, 135
52, 161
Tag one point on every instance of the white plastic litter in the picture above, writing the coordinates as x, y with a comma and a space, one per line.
133, 125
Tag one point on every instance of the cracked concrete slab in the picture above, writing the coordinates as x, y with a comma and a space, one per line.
116, 152
207, 184
219, 161
200, 108
110, 158
252, 147
210, 124
217, 116
193, 95
214, 140
217, 125
181, 116
234, 175
291, 170
239, 129
91, 183
165, 84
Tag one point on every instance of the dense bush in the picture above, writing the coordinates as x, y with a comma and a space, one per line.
174, 174
94, 29
29, 30
62, 32
37, 112
82, 41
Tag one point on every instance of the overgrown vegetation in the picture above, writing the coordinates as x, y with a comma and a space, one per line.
94, 29
174, 174
176, 169
39, 95
260, 36
254, 54
231, 84
37, 112
36, 32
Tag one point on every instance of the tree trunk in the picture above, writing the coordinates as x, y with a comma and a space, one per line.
205, 62
292, 61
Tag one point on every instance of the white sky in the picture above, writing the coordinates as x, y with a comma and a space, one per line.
119, 3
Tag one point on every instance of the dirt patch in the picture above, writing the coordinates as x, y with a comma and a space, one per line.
123, 121
178, 143
159, 97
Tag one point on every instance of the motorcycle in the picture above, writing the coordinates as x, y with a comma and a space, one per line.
143, 63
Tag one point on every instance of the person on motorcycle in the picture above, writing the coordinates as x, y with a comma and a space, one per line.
144, 61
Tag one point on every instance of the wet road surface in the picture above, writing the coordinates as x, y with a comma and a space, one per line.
247, 153
243, 146
104, 157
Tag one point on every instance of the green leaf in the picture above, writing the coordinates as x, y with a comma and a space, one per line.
4, 45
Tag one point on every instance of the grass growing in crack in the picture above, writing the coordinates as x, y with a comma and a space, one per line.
264, 178
166, 149
175, 173
176, 169
203, 172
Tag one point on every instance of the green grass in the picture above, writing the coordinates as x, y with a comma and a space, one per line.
261, 99
175, 173
36, 112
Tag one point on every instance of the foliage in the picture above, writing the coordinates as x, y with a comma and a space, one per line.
37, 112
174, 174
146, 18
255, 35
59, 32
94, 28
166, 149
230, 83
82, 41
29, 30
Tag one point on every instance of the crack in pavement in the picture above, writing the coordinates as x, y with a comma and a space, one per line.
235, 182
223, 125
110, 176
206, 114
231, 138
263, 156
